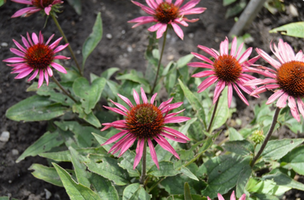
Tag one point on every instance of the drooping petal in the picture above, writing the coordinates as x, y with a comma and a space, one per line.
203, 74
301, 106
268, 59
274, 96
58, 67
126, 100
161, 31
175, 132
40, 80
230, 93
115, 137
153, 153
144, 8
179, 32
177, 119
281, 103
240, 94
206, 83
293, 108
199, 56
139, 152
209, 51
218, 90
166, 145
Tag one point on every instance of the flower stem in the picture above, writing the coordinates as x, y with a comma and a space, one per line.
274, 121
159, 62
66, 92
213, 114
144, 163
66, 41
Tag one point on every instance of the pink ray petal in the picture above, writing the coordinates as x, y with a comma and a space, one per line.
268, 59
58, 67
48, 9
240, 94
116, 147
152, 4
55, 43
245, 55
230, 93
243, 197
136, 97
35, 38
293, 108
144, 8
40, 80
46, 77
176, 133
29, 39
165, 103
166, 145
208, 51
60, 57
23, 11
177, 119
60, 48
171, 137
274, 96
232, 197
126, 100
178, 3
199, 56
200, 64
50, 38
27, 2
14, 60
203, 74
17, 52
224, 47
33, 75
301, 106
233, 46
281, 103
206, 83
49, 71
218, 90
153, 153
120, 106
116, 110
220, 197
128, 143
161, 31
179, 32
189, 5
155, 27
143, 95
139, 152
193, 11
239, 50
24, 73
40, 38
19, 46
153, 98
115, 137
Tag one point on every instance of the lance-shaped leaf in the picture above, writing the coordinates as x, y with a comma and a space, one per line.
135, 192
295, 159
35, 108
48, 174
93, 39
295, 29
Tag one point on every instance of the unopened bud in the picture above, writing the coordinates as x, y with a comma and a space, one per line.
257, 136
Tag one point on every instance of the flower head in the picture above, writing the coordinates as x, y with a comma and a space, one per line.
37, 57
226, 69
232, 197
286, 79
164, 13
145, 122
36, 5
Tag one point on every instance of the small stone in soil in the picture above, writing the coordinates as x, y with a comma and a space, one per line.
5, 135
109, 36
15, 152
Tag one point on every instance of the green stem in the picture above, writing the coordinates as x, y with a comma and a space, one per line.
213, 114
159, 62
144, 163
65, 92
66, 41
274, 121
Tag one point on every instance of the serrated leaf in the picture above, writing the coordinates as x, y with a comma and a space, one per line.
93, 39
242, 147
76, 191
165, 169
35, 108
90, 118
104, 187
135, 192
283, 180
295, 159
43, 144
276, 149
47, 174
295, 29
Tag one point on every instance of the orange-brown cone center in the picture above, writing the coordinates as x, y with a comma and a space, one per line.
42, 3
227, 68
39, 56
166, 12
145, 121
290, 77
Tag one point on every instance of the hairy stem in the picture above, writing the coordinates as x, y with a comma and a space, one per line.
274, 121
66, 40
64, 91
159, 62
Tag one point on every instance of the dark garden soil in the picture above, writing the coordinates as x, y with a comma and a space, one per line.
120, 47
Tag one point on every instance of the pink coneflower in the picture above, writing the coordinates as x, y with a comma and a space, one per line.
232, 197
226, 69
145, 122
165, 13
36, 5
287, 78
36, 57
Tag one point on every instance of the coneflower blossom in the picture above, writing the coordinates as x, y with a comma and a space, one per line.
164, 13
35, 6
226, 69
145, 122
37, 57
286, 79
232, 197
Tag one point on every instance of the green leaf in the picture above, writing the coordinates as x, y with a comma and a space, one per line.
35, 108
295, 29
76, 4
295, 159
183, 61
135, 192
223, 170
165, 169
89, 94
283, 180
93, 39
188, 173
79, 168
235, 9
196, 104
266, 187
90, 118
109, 72
76, 191
47, 174
2, 2
104, 187
187, 193
7, 198
243, 180
276, 149
228, 2
175, 184
242, 147
234, 135
43, 144
135, 78
222, 112
109, 169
